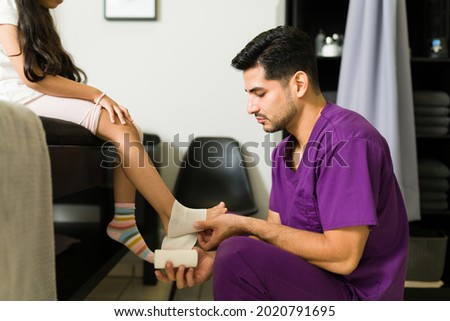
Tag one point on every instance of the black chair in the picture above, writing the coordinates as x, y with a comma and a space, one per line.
213, 170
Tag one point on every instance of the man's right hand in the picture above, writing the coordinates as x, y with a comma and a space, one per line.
192, 276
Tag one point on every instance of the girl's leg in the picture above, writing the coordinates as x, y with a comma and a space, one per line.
138, 172
124, 190
123, 227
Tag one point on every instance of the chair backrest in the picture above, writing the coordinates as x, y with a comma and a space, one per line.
213, 170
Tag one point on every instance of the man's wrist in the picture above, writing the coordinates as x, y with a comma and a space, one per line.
243, 225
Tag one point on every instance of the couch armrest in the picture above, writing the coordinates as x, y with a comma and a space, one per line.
76, 156
61, 132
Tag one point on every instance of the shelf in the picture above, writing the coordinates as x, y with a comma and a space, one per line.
442, 137
428, 294
83, 265
430, 60
321, 58
438, 213
437, 219
413, 59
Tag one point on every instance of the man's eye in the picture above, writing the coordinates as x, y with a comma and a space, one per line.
260, 94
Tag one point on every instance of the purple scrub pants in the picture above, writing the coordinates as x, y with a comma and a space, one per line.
248, 269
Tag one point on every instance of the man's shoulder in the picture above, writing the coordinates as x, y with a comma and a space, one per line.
348, 124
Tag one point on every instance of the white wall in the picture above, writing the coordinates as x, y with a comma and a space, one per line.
174, 73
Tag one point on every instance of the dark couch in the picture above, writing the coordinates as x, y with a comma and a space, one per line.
76, 156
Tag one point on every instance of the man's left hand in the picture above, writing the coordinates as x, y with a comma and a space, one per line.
218, 229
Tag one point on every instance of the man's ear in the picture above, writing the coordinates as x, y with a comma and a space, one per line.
300, 83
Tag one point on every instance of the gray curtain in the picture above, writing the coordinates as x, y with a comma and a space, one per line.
375, 80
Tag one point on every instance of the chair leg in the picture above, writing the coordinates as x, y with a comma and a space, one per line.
200, 291
173, 290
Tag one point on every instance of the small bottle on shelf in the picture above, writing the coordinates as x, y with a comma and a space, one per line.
320, 42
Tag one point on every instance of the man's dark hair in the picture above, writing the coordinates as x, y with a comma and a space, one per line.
281, 52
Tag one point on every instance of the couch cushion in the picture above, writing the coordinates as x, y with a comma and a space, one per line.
62, 132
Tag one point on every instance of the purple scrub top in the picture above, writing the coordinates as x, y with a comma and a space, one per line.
346, 178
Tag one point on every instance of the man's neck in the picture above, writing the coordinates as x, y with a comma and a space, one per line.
302, 130
308, 117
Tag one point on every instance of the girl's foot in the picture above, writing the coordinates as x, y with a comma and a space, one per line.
123, 229
217, 210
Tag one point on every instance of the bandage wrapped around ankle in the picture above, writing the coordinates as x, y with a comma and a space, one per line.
181, 238
182, 220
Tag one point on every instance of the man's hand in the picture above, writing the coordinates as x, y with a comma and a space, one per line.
190, 277
218, 229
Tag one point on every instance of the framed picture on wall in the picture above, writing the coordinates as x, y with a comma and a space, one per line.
130, 9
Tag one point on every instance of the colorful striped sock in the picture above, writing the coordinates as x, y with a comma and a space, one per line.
123, 229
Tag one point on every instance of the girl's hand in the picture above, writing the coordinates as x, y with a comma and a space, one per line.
115, 110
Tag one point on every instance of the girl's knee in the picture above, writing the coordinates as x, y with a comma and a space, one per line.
118, 133
139, 132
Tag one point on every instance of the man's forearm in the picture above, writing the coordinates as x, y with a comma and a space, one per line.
331, 252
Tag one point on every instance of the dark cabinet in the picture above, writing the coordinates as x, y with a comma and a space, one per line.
427, 20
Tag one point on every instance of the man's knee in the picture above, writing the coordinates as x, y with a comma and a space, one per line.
247, 268
236, 254
234, 272
234, 248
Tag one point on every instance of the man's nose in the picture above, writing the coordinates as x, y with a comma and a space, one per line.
252, 106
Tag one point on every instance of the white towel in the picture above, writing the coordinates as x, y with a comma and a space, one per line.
433, 168
432, 196
431, 98
432, 130
432, 121
27, 249
434, 206
434, 184
431, 111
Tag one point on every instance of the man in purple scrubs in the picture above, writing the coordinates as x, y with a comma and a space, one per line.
337, 227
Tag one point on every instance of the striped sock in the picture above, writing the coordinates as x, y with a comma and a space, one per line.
123, 229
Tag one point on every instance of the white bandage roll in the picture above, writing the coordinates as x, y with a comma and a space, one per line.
188, 258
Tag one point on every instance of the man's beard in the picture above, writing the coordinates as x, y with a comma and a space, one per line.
288, 112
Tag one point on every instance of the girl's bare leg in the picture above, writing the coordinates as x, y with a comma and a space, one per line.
124, 190
136, 171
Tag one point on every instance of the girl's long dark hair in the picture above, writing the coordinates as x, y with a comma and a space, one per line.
41, 44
